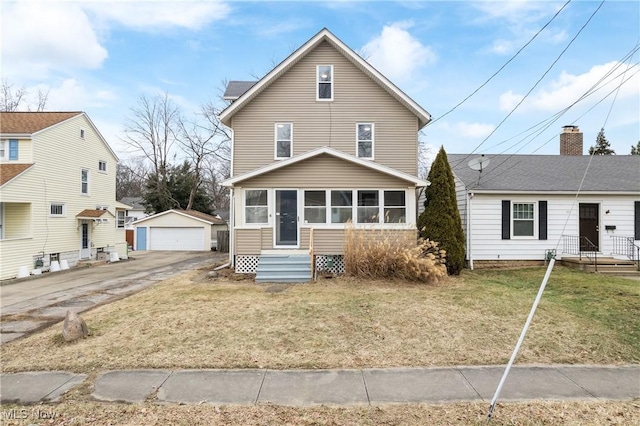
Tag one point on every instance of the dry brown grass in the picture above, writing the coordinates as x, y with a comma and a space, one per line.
528, 414
386, 253
192, 322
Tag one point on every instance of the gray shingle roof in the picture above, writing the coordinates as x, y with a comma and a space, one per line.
236, 88
135, 202
550, 173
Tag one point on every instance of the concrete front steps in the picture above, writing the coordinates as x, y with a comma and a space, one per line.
606, 265
284, 267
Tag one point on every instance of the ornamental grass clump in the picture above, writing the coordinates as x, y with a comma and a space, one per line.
386, 253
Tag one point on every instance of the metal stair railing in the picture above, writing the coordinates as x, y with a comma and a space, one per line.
580, 246
626, 246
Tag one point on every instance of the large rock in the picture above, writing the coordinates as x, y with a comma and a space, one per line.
74, 327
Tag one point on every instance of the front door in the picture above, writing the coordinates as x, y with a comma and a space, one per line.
85, 241
589, 226
286, 218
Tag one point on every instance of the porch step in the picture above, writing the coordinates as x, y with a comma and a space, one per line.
606, 265
284, 268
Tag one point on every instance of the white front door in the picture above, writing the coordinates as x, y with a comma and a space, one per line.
85, 240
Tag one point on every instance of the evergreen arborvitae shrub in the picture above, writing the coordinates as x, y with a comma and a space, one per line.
440, 220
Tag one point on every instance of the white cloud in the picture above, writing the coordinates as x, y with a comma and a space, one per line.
473, 130
72, 95
39, 37
396, 53
153, 15
567, 88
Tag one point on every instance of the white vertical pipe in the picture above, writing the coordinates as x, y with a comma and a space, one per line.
521, 339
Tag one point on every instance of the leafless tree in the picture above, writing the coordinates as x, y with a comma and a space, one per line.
130, 179
151, 131
205, 142
12, 100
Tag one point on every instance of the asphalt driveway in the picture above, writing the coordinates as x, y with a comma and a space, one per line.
32, 304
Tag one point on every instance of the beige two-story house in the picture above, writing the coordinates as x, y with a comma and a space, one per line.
57, 193
323, 141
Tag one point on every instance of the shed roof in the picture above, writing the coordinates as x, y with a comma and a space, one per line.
9, 171
550, 173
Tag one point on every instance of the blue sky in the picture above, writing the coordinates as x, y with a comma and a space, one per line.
101, 56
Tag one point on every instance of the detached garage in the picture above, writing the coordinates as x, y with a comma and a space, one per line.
180, 230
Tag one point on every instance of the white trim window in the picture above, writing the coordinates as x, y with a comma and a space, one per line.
315, 206
341, 206
368, 206
523, 219
284, 140
324, 85
121, 218
102, 166
256, 207
57, 210
84, 182
9, 149
364, 140
395, 207
4, 149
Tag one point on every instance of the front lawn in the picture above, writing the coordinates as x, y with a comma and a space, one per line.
191, 321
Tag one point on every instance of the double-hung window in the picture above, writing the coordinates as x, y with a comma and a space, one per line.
341, 206
9, 149
84, 182
284, 140
364, 140
255, 206
523, 219
395, 208
315, 206
102, 166
368, 206
324, 86
121, 219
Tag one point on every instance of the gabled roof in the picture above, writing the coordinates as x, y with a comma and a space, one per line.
237, 88
325, 35
22, 124
31, 122
10, 171
329, 151
202, 217
134, 202
550, 173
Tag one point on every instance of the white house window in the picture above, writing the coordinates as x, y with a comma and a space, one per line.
56, 209
102, 166
4, 150
523, 219
368, 207
84, 179
315, 206
102, 207
365, 140
325, 82
9, 149
121, 218
395, 210
82, 133
256, 207
341, 206
284, 140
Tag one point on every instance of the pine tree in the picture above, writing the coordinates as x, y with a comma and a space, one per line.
602, 146
440, 220
635, 150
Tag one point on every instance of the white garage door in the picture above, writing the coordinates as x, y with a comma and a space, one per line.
176, 239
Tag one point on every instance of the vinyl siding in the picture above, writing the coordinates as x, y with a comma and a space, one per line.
292, 98
59, 155
486, 242
325, 171
17, 220
247, 241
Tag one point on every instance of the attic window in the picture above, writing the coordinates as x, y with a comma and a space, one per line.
325, 82
82, 133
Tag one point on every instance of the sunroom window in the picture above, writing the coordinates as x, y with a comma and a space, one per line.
368, 207
395, 210
256, 207
315, 206
341, 206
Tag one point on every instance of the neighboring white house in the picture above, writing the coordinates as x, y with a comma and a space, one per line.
520, 206
185, 230
57, 192
136, 212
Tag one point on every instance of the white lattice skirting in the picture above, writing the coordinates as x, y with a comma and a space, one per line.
246, 264
333, 264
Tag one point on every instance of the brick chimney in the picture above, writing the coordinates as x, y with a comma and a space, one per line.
570, 141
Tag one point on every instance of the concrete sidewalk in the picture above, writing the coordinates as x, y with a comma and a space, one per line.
333, 387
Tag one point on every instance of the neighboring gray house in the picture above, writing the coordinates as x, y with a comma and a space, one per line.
520, 206
136, 212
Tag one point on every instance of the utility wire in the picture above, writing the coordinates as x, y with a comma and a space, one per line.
504, 65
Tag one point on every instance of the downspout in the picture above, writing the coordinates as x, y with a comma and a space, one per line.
232, 222
469, 216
